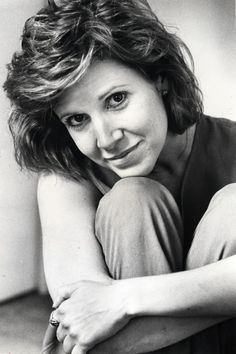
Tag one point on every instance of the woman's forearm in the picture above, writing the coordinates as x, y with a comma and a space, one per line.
169, 301
207, 291
146, 334
178, 305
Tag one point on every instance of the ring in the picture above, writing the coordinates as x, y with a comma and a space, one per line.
52, 320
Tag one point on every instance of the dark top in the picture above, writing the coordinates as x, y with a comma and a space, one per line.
211, 166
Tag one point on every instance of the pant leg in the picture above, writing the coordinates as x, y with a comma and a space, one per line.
215, 239
139, 227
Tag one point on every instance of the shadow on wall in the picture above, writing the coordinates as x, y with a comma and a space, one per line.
208, 28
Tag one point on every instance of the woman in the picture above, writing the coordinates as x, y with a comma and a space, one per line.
137, 191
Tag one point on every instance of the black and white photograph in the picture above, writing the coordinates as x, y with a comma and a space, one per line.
118, 177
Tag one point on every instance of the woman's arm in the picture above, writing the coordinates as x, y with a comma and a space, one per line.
71, 252
95, 312
206, 291
147, 334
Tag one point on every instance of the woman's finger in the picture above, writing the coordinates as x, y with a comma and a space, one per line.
68, 344
64, 293
50, 341
78, 350
61, 333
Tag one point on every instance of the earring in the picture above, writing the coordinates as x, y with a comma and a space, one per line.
162, 85
164, 92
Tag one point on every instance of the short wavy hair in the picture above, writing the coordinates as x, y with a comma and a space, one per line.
59, 44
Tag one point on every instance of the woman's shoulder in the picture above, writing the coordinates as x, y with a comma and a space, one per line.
214, 130
214, 149
55, 180
217, 122
58, 187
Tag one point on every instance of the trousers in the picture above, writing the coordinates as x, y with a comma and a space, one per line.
139, 227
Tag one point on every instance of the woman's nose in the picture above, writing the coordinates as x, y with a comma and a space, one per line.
107, 136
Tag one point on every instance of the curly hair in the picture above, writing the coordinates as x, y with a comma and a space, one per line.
59, 44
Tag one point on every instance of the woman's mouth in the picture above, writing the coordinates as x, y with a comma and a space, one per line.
122, 154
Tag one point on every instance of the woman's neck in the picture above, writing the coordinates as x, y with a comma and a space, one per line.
172, 162
170, 166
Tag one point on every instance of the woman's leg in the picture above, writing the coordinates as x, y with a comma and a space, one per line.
139, 227
215, 239
140, 230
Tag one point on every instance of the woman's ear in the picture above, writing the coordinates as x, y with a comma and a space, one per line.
162, 85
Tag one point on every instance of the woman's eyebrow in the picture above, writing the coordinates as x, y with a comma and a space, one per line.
100, 98
67, 114
109, 91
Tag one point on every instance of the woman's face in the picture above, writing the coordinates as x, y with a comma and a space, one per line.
116, 118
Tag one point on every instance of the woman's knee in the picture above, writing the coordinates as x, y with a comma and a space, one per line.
140, 202
126, 190
216, 230
135, 192
139, 229
125, 202
223, 207
225, 198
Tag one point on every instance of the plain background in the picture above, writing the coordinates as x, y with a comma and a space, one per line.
207, 26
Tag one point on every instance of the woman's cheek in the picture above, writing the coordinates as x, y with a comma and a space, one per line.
86, 144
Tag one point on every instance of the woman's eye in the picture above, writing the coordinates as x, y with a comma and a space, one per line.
116, 99
76, 121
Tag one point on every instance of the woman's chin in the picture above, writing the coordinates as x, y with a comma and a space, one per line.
134, 171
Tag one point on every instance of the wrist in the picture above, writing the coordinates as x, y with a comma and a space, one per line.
131, 293
148, 296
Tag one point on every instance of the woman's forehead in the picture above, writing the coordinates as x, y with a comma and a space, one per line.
100, 79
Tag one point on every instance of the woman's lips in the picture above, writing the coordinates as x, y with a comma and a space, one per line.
122, 154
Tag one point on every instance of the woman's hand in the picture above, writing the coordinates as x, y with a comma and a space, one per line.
92, 312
